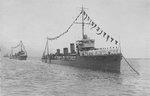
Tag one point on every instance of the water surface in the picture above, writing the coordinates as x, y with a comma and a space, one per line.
34, 78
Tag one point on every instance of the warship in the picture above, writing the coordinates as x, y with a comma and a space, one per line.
21, 54
83, 53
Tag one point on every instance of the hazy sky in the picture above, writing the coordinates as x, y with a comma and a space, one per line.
33, 20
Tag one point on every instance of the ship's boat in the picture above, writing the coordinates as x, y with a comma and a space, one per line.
83, 53
21, 54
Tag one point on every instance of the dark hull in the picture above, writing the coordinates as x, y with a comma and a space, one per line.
109, 63
19, 57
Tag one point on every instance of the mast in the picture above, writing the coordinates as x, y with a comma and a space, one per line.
82, 23
46, 50
119, 45
47, 47
11, 51
21, 45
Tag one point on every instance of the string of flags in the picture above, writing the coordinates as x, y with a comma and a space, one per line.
66, 30
93, 24
98, 29
16, 46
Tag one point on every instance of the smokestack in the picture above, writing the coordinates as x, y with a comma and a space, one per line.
72, 48
65, 51
58, 51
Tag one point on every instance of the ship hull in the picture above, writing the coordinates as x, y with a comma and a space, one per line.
109, 63
19, 57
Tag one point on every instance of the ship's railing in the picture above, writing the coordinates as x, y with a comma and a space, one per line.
101, 51
67, 57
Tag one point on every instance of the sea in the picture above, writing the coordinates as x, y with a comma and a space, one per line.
34, 78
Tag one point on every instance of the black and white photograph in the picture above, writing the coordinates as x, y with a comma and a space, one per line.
74, 47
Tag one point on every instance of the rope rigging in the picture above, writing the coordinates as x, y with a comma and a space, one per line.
66, 30
46, 46
131, 66
89, 21
22, 48
16, 46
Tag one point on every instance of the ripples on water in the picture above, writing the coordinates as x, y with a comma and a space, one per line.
34, 78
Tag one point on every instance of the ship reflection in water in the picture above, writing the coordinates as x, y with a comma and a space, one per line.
34, 78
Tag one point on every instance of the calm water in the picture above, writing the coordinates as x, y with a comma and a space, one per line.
34, 78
